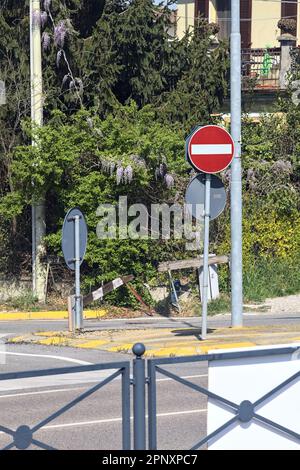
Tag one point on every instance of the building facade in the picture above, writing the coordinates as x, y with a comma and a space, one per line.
259, 19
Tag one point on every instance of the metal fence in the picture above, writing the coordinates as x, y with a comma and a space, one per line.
24, 436
144, 384
244, 412
260, 68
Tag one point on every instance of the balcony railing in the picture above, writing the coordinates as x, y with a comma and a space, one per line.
260, 69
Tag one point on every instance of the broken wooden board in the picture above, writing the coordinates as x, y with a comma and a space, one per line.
106, 288
190, 263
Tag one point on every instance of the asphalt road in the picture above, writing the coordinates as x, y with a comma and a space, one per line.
95, 422
250, 319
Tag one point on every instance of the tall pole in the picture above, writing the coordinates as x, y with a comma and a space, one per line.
205, 256
78, 311
236, 170
38, 208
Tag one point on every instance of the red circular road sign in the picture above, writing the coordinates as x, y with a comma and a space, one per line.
210, 149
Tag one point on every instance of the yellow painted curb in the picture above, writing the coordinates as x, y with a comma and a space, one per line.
125, 347
92, 344
56, 341
182, 350
48, 315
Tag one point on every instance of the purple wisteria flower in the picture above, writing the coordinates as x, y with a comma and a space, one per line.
47, 4
162, 169
44, 18
282, 166
119, 175
60, 32
65, 79
105, 165
128, 174
138, 160
79, 84
169, 180
58, 57
46, 40
112, 167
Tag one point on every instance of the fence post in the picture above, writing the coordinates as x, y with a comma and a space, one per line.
139, 408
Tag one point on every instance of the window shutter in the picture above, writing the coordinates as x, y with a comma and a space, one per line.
246, 20
202, 8
289, 10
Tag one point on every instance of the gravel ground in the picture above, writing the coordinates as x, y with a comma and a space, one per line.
290, 303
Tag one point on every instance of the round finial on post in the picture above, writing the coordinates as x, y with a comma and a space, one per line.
138, 349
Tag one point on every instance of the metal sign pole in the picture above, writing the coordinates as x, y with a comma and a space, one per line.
236, 267
205, 255
78, 316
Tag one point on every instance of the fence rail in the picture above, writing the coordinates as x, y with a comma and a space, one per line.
243, 412
144, 384
23, 437
261, 68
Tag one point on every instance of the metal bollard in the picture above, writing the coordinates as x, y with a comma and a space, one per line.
139, 407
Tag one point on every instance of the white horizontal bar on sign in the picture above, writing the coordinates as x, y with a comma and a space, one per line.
211, 149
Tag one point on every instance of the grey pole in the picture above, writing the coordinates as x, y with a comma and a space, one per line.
236, 171
139, 406
205, 256
78, 319
38, 208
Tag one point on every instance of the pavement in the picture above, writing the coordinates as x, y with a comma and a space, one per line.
96, 421
43, 403
48, 315
166, 336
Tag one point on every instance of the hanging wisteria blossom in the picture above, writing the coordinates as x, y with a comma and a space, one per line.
65, 79
105, 165
282, 166
47, 4
128, 174
112, 167
79, 84
162, 169
169, 180
119, 175
46, 39
138, 160
44, 18
60, 32
58, 57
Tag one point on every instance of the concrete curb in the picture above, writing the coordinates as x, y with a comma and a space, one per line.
166, 342
49, 315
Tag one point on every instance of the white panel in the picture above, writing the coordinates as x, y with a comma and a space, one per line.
211, 149
249, 379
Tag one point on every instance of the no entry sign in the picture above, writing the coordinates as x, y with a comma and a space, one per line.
210, 149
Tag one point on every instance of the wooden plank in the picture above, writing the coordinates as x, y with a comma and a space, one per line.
108, 287
148, 310
190, 263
